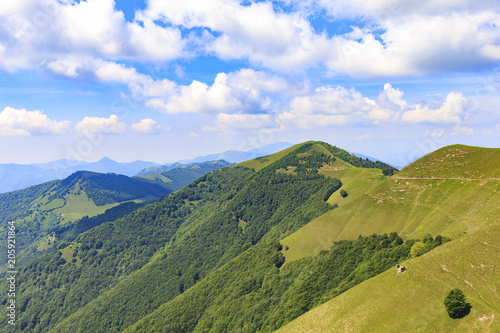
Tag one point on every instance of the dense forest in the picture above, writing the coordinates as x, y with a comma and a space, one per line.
105, 189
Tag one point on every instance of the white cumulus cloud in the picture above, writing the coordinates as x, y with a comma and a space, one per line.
147, 125
451, 111
97, 125
334, 106
20, 122
282, 41
244, 90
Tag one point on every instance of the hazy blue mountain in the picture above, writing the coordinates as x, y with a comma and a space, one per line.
200, 168
18, 176
235, 156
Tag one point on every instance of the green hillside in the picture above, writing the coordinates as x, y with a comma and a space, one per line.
200, 168
40, 210
411, 206
183, 237
457, 161
317, 147
258, 296
267, 242
176, 176
413, 301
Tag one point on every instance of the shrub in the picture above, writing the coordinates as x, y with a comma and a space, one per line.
456, 305
389, 171
417, 249
343, 193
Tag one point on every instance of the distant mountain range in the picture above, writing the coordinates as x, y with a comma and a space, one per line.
196, 168
18, 176
236, 156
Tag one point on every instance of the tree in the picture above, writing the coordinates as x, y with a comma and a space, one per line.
343, 193
456, 304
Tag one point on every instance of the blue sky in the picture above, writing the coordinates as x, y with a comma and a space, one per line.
165, 80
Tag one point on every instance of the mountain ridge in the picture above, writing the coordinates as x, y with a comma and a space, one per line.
212, 231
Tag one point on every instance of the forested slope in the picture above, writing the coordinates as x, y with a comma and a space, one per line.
41, 210
110, 285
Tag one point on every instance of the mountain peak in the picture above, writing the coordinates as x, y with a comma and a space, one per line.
106, 159
311, 148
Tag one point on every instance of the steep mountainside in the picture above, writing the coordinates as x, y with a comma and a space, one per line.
457, 161
414, 202
184, 237
413, 301
41, 209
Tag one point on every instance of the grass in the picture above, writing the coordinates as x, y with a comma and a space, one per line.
44, 244
264, 161
411, 207
413, 301
457, 161
158, 177
54, 204
67, 254
79, 205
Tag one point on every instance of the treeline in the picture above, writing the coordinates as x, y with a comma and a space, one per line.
354, 160
69, 232
305, 159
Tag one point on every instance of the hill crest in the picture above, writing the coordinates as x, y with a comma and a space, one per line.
313, 147
456, 162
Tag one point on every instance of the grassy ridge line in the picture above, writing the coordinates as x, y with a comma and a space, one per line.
260, 163
456, 161
413, 208
413, 301
314, 147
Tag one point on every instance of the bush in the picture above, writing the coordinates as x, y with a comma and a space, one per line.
456, 304
417, 249
389, 171
343, 193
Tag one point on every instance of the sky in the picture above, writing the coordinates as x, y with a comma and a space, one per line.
165, 80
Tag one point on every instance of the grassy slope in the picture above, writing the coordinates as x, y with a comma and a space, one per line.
456, 161
264, 161
413, 301
411, 207
356, 181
